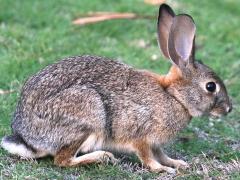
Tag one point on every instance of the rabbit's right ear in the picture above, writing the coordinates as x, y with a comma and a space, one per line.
165, 19
181, 40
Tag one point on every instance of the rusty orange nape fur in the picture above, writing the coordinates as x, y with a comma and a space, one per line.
173, 75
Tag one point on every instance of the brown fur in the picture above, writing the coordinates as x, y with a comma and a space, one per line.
165, 160
144, 151
146, 155
63, 157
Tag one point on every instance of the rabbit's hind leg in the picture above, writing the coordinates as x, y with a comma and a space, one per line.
92, 145
67, 157
93, 157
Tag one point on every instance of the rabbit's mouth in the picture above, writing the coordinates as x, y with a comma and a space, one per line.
214, 115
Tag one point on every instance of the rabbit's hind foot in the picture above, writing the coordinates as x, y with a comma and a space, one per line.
64, 158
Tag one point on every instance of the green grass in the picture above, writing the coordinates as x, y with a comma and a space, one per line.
34, 34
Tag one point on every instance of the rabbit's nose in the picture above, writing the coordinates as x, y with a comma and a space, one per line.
229, 109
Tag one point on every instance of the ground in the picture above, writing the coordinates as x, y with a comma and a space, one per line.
34, 34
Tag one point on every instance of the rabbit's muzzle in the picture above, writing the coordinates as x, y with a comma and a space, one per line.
221, 110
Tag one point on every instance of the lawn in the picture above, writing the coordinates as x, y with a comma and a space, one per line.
34, 34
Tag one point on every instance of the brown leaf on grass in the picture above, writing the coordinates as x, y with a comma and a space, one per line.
5, 92
103, 16
154, 2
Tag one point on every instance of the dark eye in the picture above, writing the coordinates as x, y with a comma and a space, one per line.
211, 86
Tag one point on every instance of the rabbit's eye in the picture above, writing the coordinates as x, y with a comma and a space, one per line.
211, 86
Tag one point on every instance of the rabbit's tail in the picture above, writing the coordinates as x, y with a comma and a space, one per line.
14, 144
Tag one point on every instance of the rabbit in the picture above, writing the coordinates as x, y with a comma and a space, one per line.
82, 108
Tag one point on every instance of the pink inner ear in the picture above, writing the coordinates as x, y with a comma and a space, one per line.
181, 38
183, 46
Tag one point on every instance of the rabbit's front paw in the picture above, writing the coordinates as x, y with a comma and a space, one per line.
157, 167
180, 164
164, 169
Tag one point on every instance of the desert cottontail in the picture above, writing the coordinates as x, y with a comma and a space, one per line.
88, 105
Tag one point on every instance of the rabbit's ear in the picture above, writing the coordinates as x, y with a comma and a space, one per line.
181, 40
165, 19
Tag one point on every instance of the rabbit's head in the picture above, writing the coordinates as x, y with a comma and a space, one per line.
197, 87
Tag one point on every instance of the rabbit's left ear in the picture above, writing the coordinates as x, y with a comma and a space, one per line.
165, 19
181, 40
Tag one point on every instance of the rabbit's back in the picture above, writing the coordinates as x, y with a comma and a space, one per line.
79, 70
